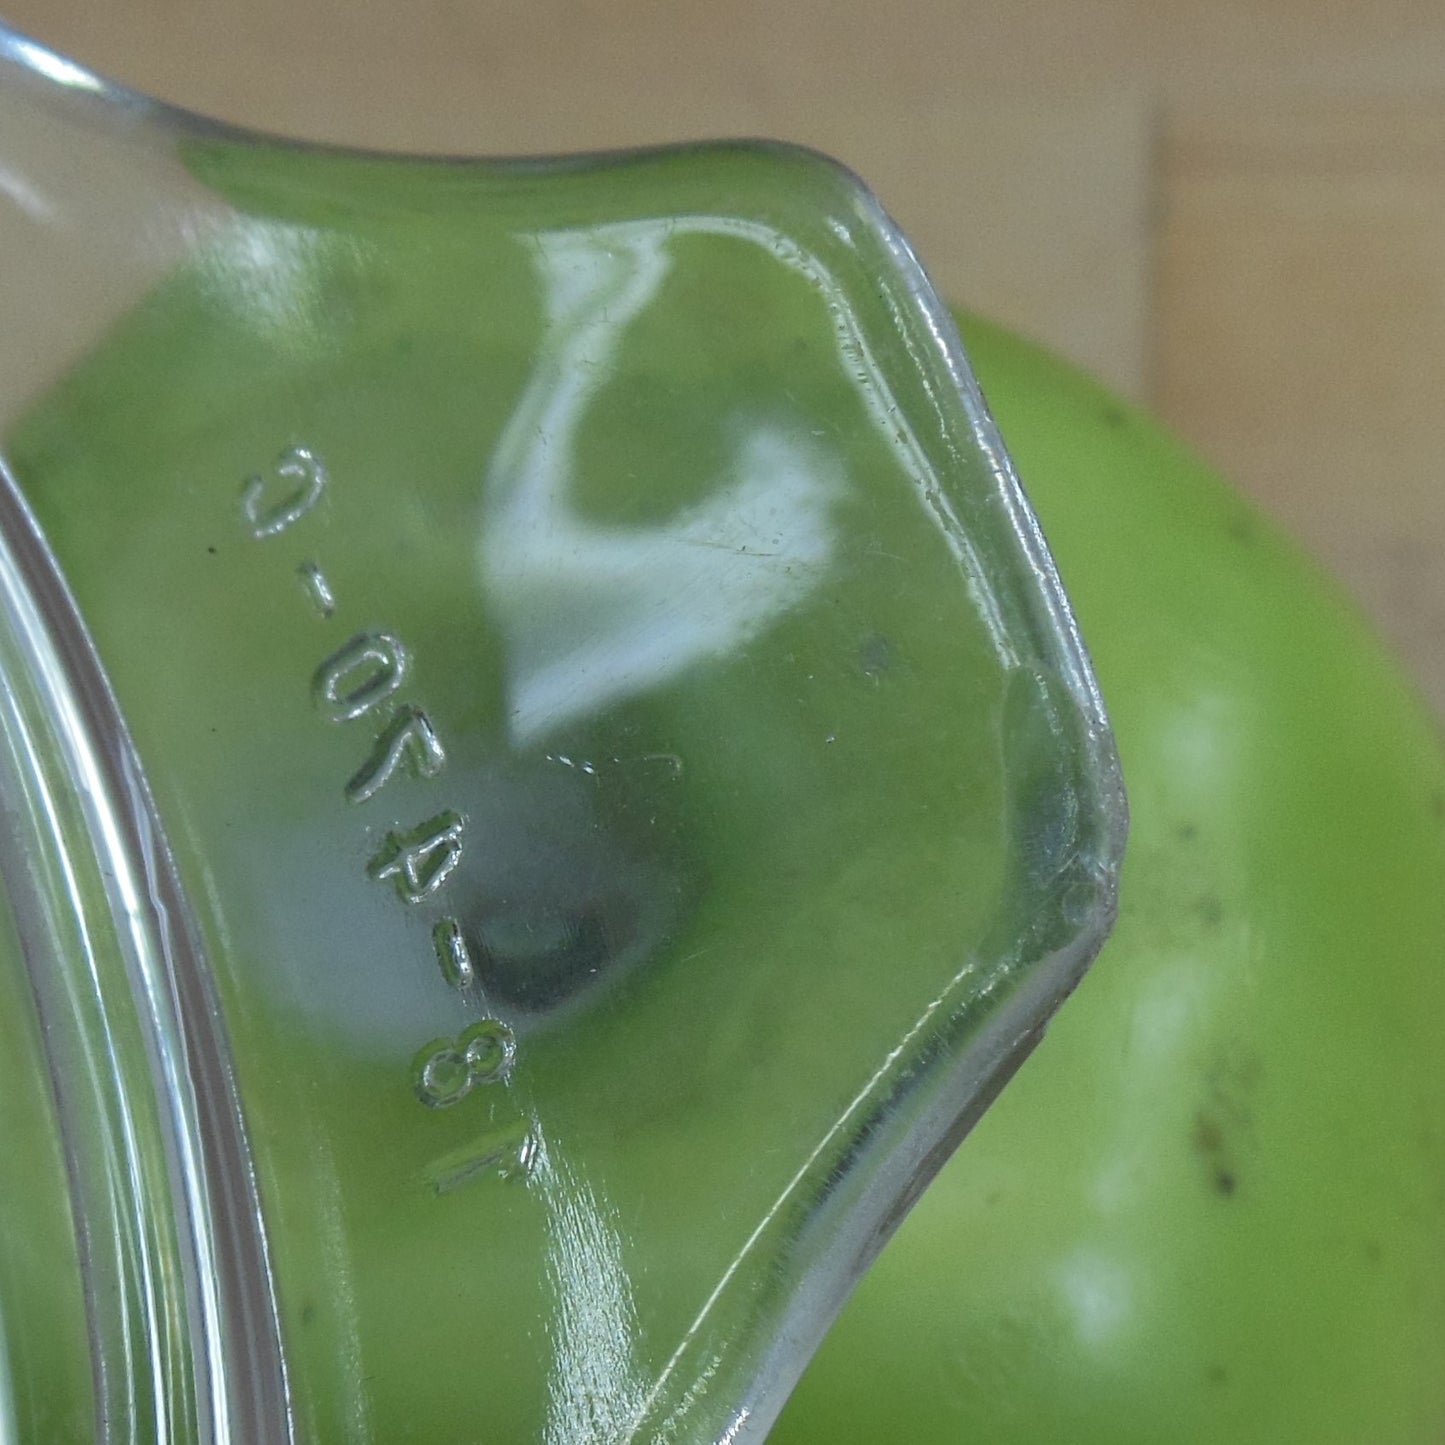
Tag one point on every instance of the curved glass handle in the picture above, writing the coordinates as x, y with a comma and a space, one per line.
612, 781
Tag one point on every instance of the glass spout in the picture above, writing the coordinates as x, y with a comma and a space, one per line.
548, 775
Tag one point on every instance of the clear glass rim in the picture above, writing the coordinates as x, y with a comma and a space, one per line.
163, 1192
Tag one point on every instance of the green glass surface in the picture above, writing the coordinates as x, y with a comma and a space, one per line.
618, 737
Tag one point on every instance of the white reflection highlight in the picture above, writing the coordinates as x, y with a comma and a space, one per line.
1097, 1292
596, 1388
269, 274
594, 613
52, 66
27, 197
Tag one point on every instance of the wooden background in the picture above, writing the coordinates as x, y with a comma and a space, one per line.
1233, 211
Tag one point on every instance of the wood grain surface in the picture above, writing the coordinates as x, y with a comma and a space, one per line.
1233, 211
1301, 316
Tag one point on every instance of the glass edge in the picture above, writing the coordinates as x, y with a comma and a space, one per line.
225, 1289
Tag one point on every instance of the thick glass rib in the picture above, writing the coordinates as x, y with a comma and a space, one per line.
177, 1276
